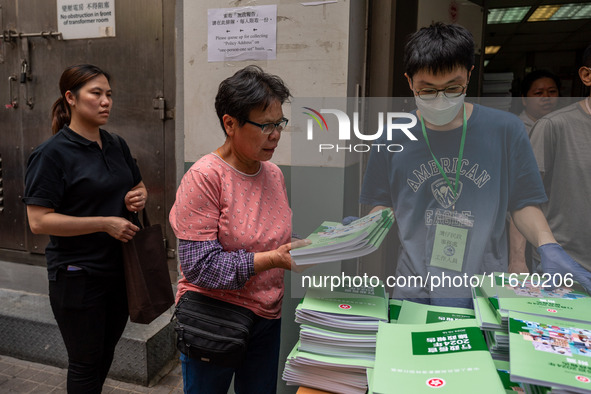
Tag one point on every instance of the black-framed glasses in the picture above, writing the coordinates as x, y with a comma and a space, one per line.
267, 128
451, 91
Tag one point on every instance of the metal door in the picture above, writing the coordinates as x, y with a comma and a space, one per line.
140, 59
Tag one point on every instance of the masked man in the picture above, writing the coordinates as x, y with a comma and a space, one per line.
451, 189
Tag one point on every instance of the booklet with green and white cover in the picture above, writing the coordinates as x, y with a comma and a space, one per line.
335, 343
333, 241
511, 387
505, 376
417, 313
395, 306
486, 315
520, 294
550, 352
498, 344
344, 308
448, 357
335, 374
488, 289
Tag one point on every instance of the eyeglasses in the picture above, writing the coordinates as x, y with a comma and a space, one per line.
449, 92
267, 128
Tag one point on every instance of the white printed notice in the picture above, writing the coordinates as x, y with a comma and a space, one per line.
244, 33
88, 19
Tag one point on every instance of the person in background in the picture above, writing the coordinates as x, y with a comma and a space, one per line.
78, 186
233, 221
539, 95
539, 92
561, 142
451, 189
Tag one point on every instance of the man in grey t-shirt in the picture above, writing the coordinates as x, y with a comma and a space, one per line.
451, 189
561, 142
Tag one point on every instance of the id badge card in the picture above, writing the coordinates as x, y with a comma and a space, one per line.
449, 247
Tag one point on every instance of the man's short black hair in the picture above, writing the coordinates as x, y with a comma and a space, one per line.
439, 48
534, 76
587, 57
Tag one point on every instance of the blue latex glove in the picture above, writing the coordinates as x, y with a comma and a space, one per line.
348, 220
555, 260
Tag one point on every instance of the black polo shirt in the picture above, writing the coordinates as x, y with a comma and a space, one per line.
75, 177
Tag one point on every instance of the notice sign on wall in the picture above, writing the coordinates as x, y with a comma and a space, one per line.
88, 19
244, 33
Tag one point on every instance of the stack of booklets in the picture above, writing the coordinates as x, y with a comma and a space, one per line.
492, 322
337, 338
445, 357
550, 352
333, 241
328, 373
415, 313
511, 387
545, 332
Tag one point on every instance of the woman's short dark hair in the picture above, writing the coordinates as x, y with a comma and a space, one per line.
248, 89
534, 76
439, 48
72, 79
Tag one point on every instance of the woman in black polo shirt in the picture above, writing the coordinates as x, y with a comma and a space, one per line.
79, 184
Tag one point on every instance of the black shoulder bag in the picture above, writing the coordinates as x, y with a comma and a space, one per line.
211, 330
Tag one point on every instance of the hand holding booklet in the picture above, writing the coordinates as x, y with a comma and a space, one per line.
333, 241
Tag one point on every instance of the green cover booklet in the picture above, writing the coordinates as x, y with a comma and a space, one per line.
550, 352
334, 374
395, 307
447, 357
333, 241
417, 313
521, 294
486, 314
344, 308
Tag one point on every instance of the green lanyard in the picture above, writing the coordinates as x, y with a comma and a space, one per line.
460, 155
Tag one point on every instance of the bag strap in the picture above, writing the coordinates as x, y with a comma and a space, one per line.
146, 221
134, 217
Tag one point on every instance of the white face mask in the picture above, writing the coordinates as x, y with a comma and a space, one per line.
441, 110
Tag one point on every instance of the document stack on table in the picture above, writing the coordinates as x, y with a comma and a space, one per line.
337, 338
492, 322
333, 241
440, 365
544, 331
448, 357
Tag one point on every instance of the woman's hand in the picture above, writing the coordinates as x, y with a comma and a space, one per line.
121, 229
135, 199
278, 258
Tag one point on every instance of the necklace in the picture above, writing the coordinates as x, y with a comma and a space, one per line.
587, 105
219, 153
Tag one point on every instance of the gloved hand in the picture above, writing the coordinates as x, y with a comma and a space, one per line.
555, 260
347, 220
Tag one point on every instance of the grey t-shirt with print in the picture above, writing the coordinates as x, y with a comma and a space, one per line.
561, 142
